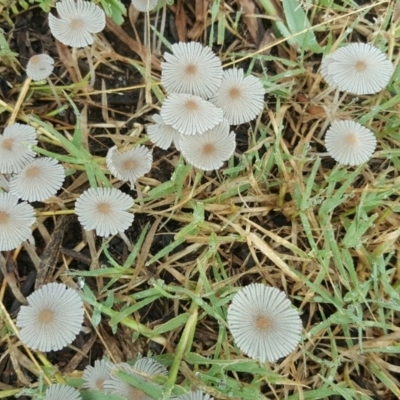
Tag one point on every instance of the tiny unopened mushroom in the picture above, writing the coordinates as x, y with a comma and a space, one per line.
350, 143
39, 180
241, 98
104, 210
357, 68
15, 151
16, 220
192, 69
190, 114
52, 318
263, 323
40, 67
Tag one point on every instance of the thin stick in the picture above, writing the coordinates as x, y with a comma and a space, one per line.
21, 98
53, 89
147, 43
332, 112
91, 67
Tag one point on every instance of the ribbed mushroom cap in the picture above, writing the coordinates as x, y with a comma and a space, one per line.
78, 20
14, 147
162, 134
144, 5
357, 68
129, 165
16, 220
104, 209
94, 377
142, 369
61, 392
209, 150
195, 395
39, 180
4, 183
52, 319
192, 69
263, 323
39, 67
350, 143
241, 98
189, 114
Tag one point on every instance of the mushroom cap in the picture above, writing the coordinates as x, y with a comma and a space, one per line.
144, 5
52, 318
142, 369
14, 147
39, 180
191, 69
350, 143
78, 20
39, 67
211, 149
104, 209
241, 98
94, 377
357, 68
190, 114
61, 392
16, 220
263, 323
131, 164
162, 134
195, 395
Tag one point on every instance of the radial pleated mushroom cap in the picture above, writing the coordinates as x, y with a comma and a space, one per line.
39, 180
52, 318
15, 150
61, 392
350, 143
195, 395
39, 67
241, 98
94, 377
129, 165
104, 210
191, 69
263, 323
162, 135
16, 220
78, 21
190, 114
211, 149
144, 5
143, 369
357, 68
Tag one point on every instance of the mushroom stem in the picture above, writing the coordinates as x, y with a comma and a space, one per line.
332, 111
126, 240
53, 89
91, 67
21, 97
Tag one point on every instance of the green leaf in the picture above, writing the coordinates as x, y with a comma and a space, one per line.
114, 9
297, 22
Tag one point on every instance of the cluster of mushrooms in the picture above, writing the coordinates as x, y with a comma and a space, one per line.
202, 102
360, 69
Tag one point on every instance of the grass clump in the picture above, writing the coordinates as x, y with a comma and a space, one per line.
279, 212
